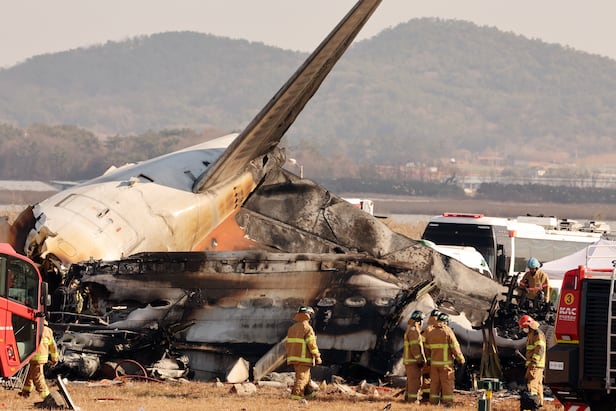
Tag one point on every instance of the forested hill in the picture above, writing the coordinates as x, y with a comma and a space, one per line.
424, 89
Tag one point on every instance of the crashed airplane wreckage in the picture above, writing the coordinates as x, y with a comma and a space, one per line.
362, 278
208, 251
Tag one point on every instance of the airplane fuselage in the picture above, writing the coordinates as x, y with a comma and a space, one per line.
148, 206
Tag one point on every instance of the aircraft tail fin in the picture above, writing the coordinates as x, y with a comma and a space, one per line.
265, 131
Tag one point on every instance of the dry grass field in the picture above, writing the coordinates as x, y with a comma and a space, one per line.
197, 396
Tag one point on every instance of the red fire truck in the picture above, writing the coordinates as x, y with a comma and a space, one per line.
22, 303
581, 367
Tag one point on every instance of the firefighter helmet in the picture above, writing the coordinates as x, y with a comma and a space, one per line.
418, 316
305, 309
525, 321
443, 317
434, 313
533, 263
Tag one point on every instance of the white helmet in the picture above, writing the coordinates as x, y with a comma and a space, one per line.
306, 309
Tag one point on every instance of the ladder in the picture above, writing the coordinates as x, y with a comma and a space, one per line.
610, 371
597, 255
17, 381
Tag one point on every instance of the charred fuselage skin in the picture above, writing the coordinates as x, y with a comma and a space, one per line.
238, 298
225, 293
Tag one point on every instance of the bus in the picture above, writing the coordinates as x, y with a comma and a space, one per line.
23, 296
508, 243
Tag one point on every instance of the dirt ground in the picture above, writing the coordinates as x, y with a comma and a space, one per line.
189, 396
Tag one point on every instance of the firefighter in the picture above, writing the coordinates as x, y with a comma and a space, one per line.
425, 385
66, 299
36, 376
442, 348
534, 283
414, 356
432, 319
535, 358
302, 352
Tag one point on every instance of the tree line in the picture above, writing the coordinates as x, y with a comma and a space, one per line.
420, 91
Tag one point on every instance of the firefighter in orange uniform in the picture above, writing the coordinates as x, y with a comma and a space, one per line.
442, 348
36, 376
535, 282
414, 356
425, 385
432, 319
535, 357
302, 352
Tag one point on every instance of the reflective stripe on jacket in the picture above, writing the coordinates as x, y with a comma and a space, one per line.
535, 348
46, 348
413, 344
442, 346
301, 342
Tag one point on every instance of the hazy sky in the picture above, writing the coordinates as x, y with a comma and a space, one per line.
32, 27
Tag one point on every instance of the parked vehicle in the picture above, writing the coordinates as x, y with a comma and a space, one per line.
581, 367
22, 305
508, 243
